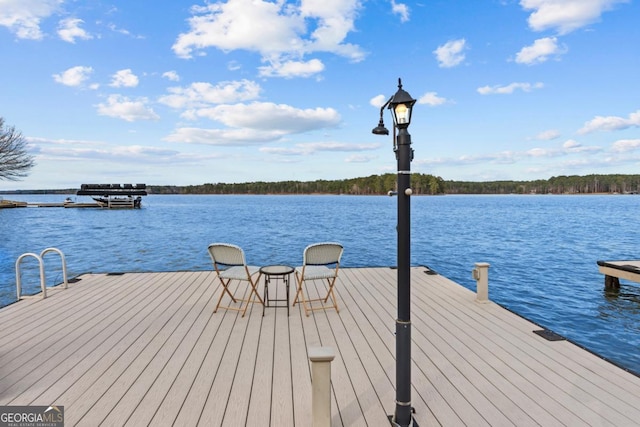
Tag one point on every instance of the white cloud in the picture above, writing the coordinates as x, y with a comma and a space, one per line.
400, 9
610, 123
360, 158
290, 69
571, 143
124, 31
82, 150
540, 51
625, 145
565, 16
202, 94
222, 137
305, 149
276, 30
69, 30
509, 89
255, 123
234, 66
66, 142
131, 154
284, 151
333, 20
121, 107
572, 146
171, 75
241, 24
568, 149
378, 101
74, 76
539, 152
269, 116
124, 78
23, 17
432, 99
338, 146
548, 135
451, 53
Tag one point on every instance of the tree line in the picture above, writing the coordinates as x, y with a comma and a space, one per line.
563, 184
371, 185
421, 184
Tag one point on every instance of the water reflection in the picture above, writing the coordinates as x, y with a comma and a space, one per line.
622, 303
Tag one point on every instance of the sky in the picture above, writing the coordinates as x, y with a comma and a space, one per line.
192, 92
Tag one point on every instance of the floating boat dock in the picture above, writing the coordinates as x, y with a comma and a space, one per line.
115, 196
111, 196
142, 349
615, 270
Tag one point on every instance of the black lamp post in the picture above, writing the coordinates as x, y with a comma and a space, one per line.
401, 106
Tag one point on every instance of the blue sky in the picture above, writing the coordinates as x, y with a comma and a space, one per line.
189, 92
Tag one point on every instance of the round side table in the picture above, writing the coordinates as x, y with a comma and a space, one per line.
276, 272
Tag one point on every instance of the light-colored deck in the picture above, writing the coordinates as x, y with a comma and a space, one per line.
146, 349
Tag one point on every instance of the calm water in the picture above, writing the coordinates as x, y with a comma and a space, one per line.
542, 249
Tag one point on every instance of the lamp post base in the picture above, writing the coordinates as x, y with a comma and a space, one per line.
412, 423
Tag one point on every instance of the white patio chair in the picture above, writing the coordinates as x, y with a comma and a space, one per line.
230, 264
320, 261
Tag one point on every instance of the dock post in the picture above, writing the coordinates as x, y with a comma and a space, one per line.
481, 275
611, 282
321, 358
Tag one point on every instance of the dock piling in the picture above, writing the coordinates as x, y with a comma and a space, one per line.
321, 358
481, 275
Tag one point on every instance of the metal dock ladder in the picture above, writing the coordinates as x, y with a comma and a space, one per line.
43, 282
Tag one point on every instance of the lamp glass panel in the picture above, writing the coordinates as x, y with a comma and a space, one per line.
402, 114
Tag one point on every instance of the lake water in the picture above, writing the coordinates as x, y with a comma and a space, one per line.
542, 249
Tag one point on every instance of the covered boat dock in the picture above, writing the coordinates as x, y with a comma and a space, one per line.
115, 196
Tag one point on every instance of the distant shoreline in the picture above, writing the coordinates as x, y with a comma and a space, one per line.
421, 184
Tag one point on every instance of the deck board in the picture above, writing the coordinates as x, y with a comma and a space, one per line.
146, 349
260, 392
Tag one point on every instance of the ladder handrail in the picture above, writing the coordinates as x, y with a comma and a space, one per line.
43, 281
43, 284
64, 263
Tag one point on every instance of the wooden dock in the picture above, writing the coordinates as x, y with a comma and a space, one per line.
65, 205
615, 270
142, 349
8, 204
12, 204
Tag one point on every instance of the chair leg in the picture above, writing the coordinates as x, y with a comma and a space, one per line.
335, 301
304, 304
298, 290
254, 286
331, 294
225, 289
219, 301
254, 292
330, 291
300, 295
246, 304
